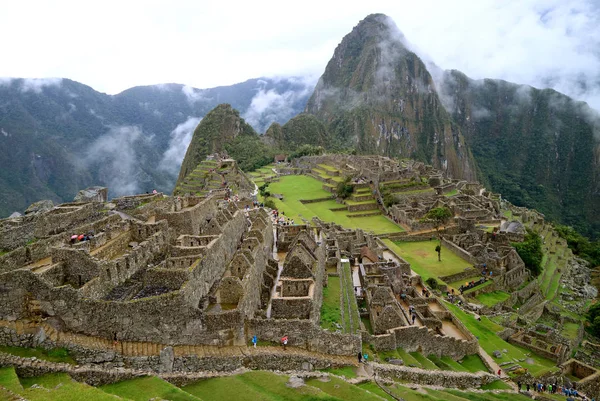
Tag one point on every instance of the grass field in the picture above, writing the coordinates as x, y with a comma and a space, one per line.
486, 332
249, 386
53, 355
297, 187
423, 258
255, 385
492, 298
145, 388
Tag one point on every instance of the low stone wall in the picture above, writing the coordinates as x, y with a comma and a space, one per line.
304, 334
362, 206
424, 340
433, 377
458, 251
305, 201
94, 376
467, 273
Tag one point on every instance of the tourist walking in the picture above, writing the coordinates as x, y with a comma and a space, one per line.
284, 341
360, 357
254, 341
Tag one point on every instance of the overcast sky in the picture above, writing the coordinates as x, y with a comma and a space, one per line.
114, 45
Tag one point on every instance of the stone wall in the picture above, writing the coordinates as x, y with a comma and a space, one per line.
424, 340
467, 273
458, 251
304, 334
461, 380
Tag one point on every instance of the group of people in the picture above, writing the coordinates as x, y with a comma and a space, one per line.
281, 219
413, 313
472, 284
81, 237
550, 388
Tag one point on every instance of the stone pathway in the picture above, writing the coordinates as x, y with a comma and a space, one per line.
136, 349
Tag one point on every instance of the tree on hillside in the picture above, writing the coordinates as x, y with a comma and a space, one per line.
439, 216
593, 316
530, 250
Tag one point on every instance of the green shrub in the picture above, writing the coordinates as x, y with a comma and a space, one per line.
344, 189
530, 250
270, 204
432, 283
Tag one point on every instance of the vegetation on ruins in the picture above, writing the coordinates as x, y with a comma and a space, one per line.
530, 250
307, 150
580, 245
593, 317
344, 188
432, 283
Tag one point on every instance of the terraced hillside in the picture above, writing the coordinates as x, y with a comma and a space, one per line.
255, 385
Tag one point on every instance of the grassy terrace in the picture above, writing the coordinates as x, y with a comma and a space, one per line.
331, 313
297, 187
486, 332
54, 355
249, 386
351, 316
492, 298
424, 260
146, 388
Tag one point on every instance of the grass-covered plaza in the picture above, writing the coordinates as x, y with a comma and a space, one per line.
294, 188
423, 258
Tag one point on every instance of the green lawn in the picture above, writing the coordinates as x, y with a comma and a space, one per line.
348, 372
297, 187
492, 298
145, 388
425, 363
61, 387
331, 313
53, 355
9, 379
486, 332
473, 364
343, 390
256, 385
423, 258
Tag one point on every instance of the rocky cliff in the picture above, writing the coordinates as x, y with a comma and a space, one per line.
539, 148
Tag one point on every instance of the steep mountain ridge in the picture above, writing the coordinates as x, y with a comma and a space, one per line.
378, 95
220, 127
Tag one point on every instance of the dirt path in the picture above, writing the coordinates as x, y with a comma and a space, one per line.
39, 263
450, 330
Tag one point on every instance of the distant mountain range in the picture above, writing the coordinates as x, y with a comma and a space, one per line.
58, 136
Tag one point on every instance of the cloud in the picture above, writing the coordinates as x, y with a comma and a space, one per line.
193, 95
543, 43
181, 137
114, 155
275, 105
31, 84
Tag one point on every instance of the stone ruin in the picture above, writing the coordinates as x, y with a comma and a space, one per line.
202, 270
